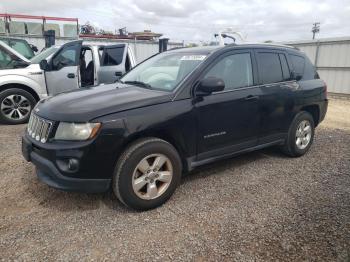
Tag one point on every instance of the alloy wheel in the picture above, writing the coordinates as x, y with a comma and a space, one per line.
15, 107
303, 134
152, 176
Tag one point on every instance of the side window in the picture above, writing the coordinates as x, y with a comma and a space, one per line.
298, 64
285, 67
235, 70
112, 56
270, 69
309, 71
66, 57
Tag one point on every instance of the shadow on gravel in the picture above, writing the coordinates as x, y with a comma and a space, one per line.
50, 198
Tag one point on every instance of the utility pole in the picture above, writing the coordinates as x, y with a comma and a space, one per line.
315, 29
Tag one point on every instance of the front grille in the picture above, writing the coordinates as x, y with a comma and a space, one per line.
39, 128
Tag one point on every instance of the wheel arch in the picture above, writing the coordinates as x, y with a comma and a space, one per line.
314, 110
161, 134
20, 86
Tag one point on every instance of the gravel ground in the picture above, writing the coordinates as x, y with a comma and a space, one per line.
259, 206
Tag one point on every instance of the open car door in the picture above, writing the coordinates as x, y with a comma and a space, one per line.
10, 58
62, 73
112, 62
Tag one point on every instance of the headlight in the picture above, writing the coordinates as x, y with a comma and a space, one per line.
76, 131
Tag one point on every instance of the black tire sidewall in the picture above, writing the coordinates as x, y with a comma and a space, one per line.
292, 133
16, 91
124, 182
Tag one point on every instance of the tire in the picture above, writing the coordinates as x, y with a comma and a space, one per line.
294, 147
15, 106
135, 164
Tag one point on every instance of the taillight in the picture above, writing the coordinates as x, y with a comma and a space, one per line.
325, 89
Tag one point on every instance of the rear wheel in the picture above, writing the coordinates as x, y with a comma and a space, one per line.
147, 174
15, 106
300, 135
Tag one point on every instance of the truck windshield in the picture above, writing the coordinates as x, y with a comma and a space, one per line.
164, 71
44, 54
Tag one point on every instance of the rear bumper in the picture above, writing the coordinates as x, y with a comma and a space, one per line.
323, 110
50, 175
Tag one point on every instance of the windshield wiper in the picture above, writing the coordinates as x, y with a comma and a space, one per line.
138, 83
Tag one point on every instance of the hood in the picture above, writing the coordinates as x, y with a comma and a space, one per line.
86, 104
14, 52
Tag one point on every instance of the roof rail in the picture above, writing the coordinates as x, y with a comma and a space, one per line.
275, 44
267, 44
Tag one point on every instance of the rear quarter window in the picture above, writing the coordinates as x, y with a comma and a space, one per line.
303, 66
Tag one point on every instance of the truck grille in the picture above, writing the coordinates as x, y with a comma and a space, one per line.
39, 128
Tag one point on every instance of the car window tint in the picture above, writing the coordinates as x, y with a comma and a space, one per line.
298, 64
235, 70
285, 68
270, 69
112, 56
309, 71
66, 57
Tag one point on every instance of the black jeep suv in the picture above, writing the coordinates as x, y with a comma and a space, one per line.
175, 111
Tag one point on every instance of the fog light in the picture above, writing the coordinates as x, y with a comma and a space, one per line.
73, 164
69, 165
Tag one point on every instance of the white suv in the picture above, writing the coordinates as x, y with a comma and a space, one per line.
56, 70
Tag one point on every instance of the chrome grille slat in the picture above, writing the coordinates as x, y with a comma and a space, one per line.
39, 128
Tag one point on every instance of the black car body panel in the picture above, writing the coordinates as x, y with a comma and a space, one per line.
201, 128
86, 104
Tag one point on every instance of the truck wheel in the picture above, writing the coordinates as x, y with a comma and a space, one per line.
15, 106
300, 135
147, 174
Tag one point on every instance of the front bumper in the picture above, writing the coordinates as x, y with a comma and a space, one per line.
48, 173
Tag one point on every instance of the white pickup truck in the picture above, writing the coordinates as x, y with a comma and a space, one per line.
58, 69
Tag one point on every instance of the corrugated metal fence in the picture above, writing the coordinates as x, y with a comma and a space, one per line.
332, 60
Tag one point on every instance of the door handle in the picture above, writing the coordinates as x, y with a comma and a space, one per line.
251, 97
118, 73
71, 75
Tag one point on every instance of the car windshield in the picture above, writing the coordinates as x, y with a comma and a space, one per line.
44, 54
20, 46
163, 71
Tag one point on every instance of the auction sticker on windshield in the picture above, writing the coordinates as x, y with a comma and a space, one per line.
193, 57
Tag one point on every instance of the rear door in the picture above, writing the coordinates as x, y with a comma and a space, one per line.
112, 63
277, 99
64, 65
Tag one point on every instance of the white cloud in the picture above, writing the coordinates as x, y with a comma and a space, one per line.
194, 20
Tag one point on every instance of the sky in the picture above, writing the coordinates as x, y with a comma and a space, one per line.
199, 20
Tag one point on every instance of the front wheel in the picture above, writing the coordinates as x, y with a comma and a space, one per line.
300, 135
147, 174
15, 106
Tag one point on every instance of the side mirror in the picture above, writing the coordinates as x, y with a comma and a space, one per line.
44, 65
209, 85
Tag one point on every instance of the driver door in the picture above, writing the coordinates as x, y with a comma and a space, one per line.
64, 65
